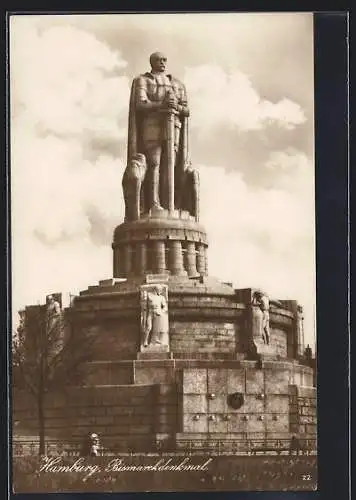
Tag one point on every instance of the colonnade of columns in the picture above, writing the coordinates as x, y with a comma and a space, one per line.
157, 256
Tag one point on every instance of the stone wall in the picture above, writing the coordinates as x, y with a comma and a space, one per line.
124, 416
205, 317
199, 337
135, 403
113, 372
265, 412
278, 340
302, 410
116, 339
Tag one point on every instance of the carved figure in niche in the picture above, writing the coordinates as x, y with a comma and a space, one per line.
155, 96
154, 315
262, 302
53, 311
132, 186
190, 190
308, 353
54, 325
53, 306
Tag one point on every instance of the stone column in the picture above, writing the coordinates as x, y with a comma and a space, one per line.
127, 259
191, 259
118, 255
176, 258
201, 259
160, 256
136, 259
115, 263
206, 260
142, 258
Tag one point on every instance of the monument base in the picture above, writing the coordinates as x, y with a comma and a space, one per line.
154, 355
154, 351
263, 349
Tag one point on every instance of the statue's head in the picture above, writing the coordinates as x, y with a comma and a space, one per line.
158, 289
188, 166
158, 62
258, 294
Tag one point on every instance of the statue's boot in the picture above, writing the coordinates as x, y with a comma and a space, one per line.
157, 206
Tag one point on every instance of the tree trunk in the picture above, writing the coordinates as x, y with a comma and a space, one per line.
41, 424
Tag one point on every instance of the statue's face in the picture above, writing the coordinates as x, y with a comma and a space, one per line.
158, 62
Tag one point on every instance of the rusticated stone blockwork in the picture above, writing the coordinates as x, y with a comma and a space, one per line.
204, 337
133, 402
303, 416
125, 416
116, 339
267, 409
278, 341
204, 317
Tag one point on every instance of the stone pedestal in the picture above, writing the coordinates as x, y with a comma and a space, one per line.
153, 354
265, 350
160, 239
154, 349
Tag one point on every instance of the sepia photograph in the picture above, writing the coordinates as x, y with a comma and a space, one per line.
163, 252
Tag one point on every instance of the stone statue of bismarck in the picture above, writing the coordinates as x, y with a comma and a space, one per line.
156, 95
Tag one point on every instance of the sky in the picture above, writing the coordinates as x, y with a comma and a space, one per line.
249, 79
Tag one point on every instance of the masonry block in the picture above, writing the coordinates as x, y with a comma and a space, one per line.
217, 381
277, 403
218, 404
236, 381
192, 425
280, 425
195, 403
195, 381
311, 429
276, 381
307, 392
254, 381
218, 425
236, 424
252, 405
153, 375
255, 425
306, 419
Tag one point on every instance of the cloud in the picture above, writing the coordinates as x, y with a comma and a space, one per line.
263, 237
67, 97
221, 99
65, 81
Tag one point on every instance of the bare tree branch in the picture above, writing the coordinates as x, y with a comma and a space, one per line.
47, 355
